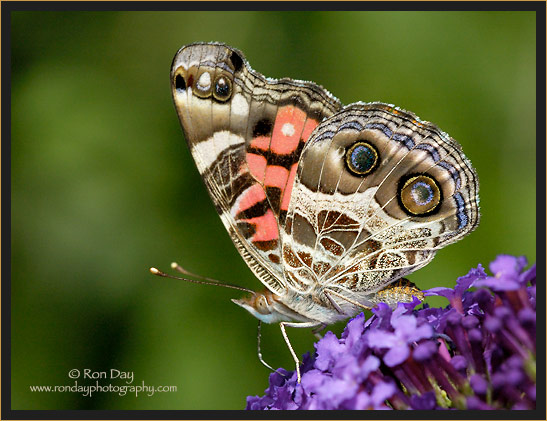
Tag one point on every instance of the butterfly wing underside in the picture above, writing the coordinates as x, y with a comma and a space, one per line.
377, 193
246, 134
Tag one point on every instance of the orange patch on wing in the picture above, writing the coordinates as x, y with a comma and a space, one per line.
251, 197
310, 125
261, 142
288, 126
276, 176
257, 166
265, 227
288, 188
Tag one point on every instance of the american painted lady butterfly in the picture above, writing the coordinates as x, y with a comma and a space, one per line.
330, 206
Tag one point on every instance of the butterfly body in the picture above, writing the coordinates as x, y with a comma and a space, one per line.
329, 206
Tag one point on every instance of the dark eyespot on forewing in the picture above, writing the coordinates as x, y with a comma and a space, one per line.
237, 61
222, 89
180, 84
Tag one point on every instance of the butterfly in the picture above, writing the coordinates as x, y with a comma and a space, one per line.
329, 206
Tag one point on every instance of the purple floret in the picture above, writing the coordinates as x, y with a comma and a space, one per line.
477, 353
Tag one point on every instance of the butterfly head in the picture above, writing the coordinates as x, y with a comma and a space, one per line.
266, 307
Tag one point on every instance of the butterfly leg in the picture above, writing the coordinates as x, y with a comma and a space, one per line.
260, 352
318, 329
282, 325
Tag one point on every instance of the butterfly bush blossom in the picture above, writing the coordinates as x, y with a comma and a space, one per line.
477, 353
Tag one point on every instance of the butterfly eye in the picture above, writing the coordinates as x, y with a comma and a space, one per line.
222, 89
362, 158
261, 305
420, 195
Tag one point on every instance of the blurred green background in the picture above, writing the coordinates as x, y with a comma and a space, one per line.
103, 185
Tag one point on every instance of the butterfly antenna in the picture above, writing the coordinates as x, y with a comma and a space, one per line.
203, 281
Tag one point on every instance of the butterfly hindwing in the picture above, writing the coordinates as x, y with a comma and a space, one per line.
377, 193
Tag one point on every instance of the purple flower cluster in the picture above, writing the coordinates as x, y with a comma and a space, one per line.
477, 353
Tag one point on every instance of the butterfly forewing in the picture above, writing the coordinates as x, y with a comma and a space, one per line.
246, 134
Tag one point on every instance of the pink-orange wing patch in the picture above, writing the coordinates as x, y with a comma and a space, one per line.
257, 166
250, 197
265, 227
309, 127
272, 160
287, 129
286, 197
290, 128
276, 176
